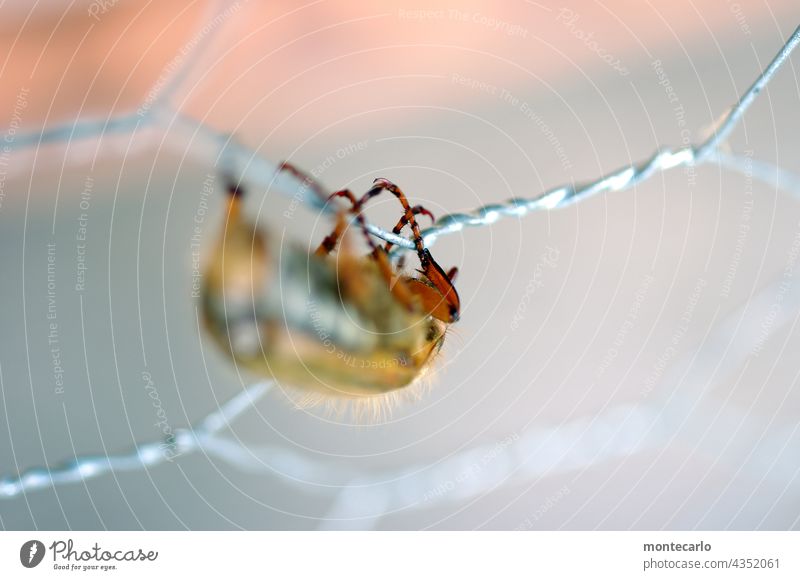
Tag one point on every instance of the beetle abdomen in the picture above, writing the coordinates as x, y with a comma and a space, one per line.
311, 327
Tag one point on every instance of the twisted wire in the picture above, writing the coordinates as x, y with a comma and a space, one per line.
559, 197
621, 179
142, 455
253, 167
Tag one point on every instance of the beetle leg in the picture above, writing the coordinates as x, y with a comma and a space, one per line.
395, 283
330, 241
447, 304
308, 181
378, 186
416, 210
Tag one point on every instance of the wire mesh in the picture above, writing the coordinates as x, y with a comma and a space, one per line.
362, 499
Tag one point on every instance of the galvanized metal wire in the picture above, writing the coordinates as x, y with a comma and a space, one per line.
253, 168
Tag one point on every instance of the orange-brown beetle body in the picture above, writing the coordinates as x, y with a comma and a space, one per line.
337, 325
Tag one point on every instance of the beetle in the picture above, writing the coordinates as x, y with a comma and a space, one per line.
330, 323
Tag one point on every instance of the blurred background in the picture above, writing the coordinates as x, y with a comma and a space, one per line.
622, 363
